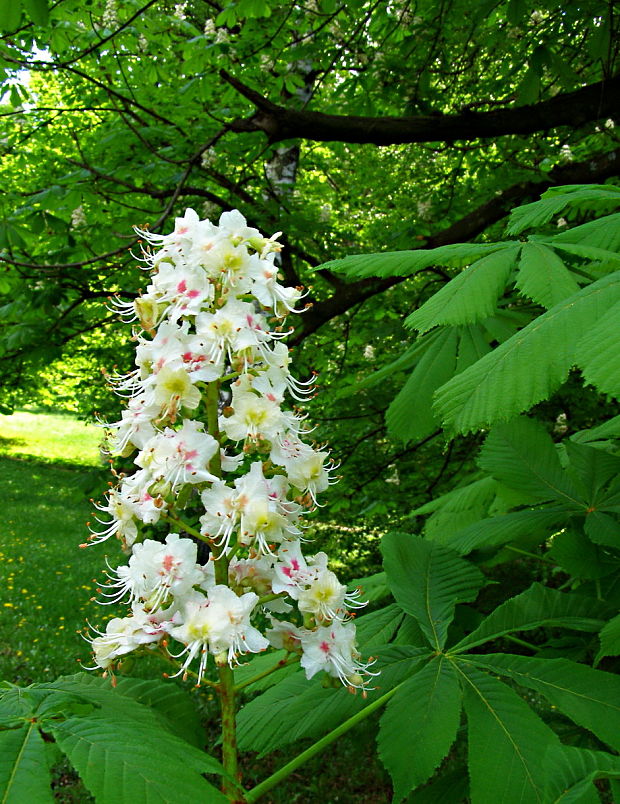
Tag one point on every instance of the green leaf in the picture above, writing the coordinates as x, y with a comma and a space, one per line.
167, 699
574, 771
603, 529
536, 607
410, 356
521, 454
609, 429
472, 495
610, 639
506, 742
469, 297
527, 367
577, 556
378, 627
505, 528
259, 664
374, 587
37, 10
589, 697
419, 725
406, 263
543, 277
603, 233
24, 769
427, 581
297, 708
449, 788
116, 760
598, 353
584, 198
10, 14
594, 469
410, 416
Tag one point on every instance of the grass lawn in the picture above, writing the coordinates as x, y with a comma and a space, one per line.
45, 578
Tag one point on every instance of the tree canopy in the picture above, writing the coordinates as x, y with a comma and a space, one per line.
354, 127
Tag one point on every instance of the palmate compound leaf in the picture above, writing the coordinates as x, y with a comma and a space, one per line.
427, 581
538, 606
506, 742
583, 198
527, 367
24, 769
591, 698
471, 296
543, 277
297, 708
419, 725
521, 454
574, 771
598, 353
406, 263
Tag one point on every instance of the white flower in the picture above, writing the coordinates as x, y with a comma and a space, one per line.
156, 573
218, 624
333, 649
179, 456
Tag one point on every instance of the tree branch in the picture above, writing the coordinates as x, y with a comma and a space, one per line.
568, 109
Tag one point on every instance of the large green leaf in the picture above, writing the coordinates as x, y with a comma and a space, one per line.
469, 297
410, 414
521, 454
261, 663
574, 771
594, 469
589, 697
609, 429
24, 769
505, 528
538, 606
407, 359
427, 581
405, 263
119, 760
527, 367
603, 233
598, 353
577, 556
419, 725
108, 737
378, 627
536, 214
543, 277
460, 499
506, 742
165, 698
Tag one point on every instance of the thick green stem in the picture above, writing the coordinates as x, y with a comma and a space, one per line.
256, 792
226, 687
229, 732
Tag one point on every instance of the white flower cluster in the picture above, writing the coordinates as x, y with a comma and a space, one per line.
210, 350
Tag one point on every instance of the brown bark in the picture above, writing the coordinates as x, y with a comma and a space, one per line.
567, 109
